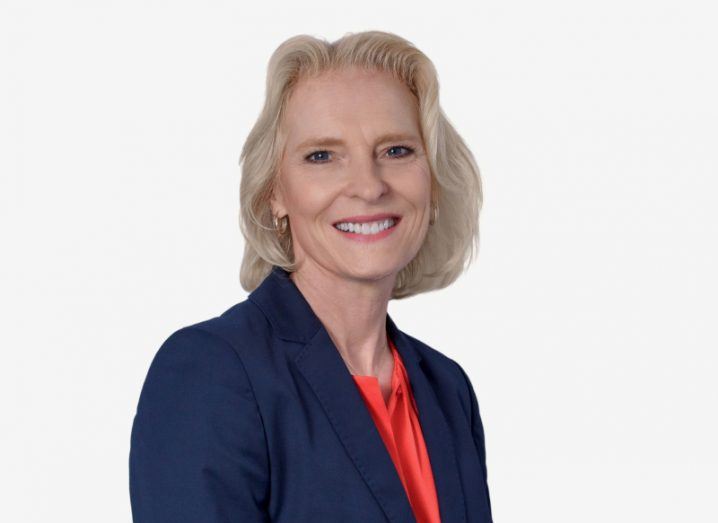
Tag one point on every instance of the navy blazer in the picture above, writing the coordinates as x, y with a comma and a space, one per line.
253, 416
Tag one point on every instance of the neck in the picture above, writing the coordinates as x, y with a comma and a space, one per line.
353, 313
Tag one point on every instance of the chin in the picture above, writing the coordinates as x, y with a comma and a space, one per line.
372, 272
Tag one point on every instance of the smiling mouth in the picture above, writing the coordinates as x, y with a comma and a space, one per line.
367, 228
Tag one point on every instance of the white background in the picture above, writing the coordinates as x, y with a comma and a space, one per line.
587, 324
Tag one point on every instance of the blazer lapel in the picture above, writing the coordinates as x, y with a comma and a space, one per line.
323, 368
321, 365
434, 428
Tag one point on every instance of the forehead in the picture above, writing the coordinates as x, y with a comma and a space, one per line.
351, 99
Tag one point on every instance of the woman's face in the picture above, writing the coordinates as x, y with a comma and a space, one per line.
354, 178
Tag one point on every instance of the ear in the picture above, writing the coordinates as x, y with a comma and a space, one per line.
276, 202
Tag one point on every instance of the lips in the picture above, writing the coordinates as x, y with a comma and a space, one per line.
364, 218
367, 231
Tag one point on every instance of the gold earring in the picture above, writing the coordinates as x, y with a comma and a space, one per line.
280, 224
434, 214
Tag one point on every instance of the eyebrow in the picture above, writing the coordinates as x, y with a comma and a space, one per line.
328, 141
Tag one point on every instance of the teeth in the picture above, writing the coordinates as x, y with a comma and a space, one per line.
367, 227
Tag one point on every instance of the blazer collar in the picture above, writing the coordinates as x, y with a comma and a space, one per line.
321, 364
292, 317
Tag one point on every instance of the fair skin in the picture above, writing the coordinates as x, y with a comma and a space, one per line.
347, 277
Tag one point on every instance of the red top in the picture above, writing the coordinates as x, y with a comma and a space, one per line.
398, 424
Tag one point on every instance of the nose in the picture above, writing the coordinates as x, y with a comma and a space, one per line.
364, 181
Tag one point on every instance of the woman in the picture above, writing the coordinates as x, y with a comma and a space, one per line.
305, 402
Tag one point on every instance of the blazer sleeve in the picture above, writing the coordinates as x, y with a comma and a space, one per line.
477, 429
198, 450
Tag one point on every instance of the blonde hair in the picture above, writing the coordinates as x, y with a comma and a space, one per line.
451, 242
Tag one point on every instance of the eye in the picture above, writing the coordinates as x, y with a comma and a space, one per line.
322, 156
408, 149
311, 157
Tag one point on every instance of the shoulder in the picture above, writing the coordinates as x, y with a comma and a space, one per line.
197, 425
198, 378
241, 326
209, 351
227, 336
447, 372
434, 358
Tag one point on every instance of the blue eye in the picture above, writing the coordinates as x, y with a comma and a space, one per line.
316, 156
310, 157
409, 149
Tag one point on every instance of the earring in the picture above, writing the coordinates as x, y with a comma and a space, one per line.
434, 214
280, 224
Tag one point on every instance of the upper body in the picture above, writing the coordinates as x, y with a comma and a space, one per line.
253, 416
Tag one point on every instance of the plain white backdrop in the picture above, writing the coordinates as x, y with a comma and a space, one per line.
587, 323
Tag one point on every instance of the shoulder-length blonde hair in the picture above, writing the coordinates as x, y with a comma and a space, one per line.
451, 243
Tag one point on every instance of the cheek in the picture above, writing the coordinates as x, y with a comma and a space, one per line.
307, 196
415, 186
